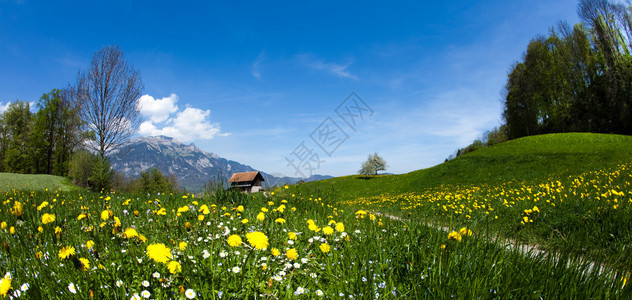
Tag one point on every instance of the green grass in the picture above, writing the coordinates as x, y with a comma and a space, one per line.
370, 258
575, 191
526, 159
577, 201
37, 182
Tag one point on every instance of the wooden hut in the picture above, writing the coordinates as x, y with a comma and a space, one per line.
249, 182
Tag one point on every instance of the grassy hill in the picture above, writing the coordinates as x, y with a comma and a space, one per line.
34, 182
530, 158
571, 193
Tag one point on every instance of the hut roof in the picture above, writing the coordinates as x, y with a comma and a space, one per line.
245, 176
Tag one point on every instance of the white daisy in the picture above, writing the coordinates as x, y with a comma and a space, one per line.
72, 288
190, 294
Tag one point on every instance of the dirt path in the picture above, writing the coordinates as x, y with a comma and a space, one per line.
522, 248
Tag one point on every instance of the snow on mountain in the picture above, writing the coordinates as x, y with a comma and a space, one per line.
192, 166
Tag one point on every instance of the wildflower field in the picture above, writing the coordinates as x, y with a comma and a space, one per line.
288, 245
345, 238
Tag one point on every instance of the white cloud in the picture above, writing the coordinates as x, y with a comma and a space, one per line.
158, 110
4, 107
333, 68
256, 72
187, 125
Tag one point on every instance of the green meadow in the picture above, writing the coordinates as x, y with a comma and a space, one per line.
441, 232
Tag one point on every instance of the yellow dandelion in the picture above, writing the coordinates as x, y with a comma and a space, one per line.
292, 235
85, 264
17, 209
182, 245
48, 218
66, 252
105, 215
292, 254
465, 231
327, 230
204, 209
159, 253
174, 267
454, 236
43, 205
234, 240
258, 240
261, 216
275, 252
130, 233
244, 221
324, 248
280, 221
340, 227
90, 244
240, 208
5, 284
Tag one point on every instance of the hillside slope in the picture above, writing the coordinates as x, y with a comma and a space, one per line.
529, 158
34, 182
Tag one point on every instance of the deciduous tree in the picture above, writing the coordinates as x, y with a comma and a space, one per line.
106, 96
372, 165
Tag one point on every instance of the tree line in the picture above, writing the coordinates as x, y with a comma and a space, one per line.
578, 78
75, 127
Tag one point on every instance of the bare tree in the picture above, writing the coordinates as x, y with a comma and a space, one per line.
107, 97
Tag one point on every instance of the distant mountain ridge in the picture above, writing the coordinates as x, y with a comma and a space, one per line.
192, 166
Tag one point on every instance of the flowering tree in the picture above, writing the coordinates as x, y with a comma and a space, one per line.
373, 164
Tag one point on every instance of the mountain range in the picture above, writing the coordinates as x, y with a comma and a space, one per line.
192, 166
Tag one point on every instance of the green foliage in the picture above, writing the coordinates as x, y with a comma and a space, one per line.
56, 132
81, 166
219, 190
101, 177
495, 136
18, 124
152, 182
39, 143
576, 79
91, 171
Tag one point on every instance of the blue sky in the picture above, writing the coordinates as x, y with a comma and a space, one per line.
255, 81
